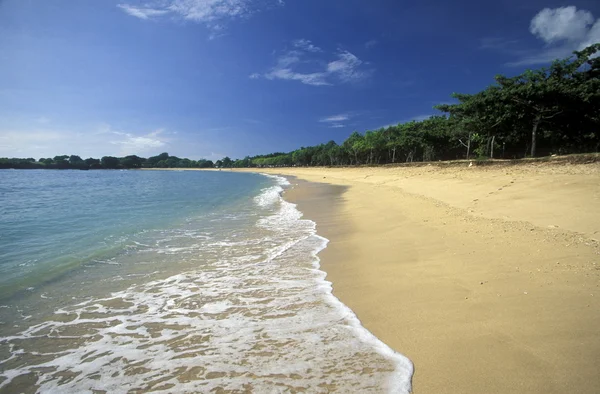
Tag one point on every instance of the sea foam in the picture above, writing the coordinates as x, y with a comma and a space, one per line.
257, 314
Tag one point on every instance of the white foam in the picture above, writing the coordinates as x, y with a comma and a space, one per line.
259, 313
400, 380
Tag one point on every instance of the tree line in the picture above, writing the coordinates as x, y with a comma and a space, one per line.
553, 110
107, 162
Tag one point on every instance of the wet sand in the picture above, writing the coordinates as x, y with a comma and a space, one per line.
488, 279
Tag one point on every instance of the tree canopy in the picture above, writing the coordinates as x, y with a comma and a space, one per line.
164, 160
554, 110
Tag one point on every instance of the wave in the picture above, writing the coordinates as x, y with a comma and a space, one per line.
258, 314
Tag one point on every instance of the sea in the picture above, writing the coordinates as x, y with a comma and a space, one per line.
173, 281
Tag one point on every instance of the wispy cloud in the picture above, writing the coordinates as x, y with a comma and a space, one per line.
212, 13
136, 144
420, 118
562, 30
142, 12
345, 68
371, 43
336, 121
306, 45
43, 141
498, 43
335, 118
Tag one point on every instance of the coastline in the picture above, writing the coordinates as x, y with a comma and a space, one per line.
482, 295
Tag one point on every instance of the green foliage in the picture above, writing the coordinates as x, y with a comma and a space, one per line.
554, 110
110, 162
549, 110
107, 162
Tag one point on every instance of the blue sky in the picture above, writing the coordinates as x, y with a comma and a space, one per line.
209, 78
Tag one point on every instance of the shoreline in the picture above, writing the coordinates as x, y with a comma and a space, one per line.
478, 300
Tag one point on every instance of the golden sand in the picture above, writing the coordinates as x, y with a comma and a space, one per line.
487, 278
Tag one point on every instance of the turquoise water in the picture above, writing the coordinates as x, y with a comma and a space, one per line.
191, 281
54, 222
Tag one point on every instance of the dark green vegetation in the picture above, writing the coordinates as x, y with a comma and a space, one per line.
107, 162
553, 110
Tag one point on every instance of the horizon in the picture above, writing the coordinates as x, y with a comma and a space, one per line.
205, 79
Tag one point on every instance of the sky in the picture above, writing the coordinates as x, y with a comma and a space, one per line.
215, 78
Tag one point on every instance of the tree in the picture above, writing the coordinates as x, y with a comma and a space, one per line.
131, 161
60, 159
110, 162
354, 144
92, 163
226, 162
153, 160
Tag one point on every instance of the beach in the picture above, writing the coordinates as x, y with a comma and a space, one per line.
487, 278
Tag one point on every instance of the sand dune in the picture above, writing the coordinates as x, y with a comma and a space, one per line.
488, 278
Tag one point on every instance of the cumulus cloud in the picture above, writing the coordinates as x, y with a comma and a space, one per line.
346, 68
564, 23
212, 13
563, 30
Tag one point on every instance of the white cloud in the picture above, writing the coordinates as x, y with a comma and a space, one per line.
314, 79
564, 23
212, 13
420, 118
335, 118
593, 36
335, 121
563, 30
134, 144
496, 43
306, 45
347, 68
48, 142
371, 43
210, 10
141, 12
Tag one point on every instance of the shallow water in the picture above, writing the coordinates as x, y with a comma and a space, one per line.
201, 282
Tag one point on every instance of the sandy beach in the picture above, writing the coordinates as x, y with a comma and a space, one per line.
487, 278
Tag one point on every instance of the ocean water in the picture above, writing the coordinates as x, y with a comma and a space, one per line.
150, 281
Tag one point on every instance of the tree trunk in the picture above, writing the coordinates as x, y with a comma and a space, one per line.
394, 155
536, 123
469, 146
492, 147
